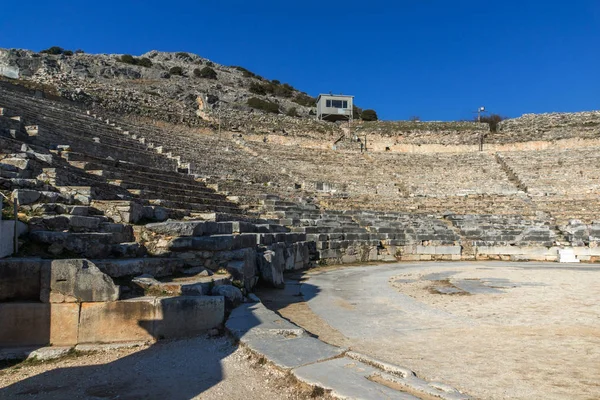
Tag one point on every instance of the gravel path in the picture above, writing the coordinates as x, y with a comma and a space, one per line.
199, 368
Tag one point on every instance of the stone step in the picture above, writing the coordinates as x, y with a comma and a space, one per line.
61, 208
199, 228
195, 285
133, 179
86, 245
176, 195
73, 223
119, 164
195, 207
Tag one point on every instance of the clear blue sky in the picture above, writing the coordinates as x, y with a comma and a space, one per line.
437, 59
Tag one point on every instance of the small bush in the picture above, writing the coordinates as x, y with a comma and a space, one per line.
244, 71
68, 53
275, 82
257, 88
292, 112
263, 105
79, 51
184, 56
305, 100
356, 112
176, 71
206, 73
55, 50
210, 64
144, 62
129, 59
414, 118
369, 115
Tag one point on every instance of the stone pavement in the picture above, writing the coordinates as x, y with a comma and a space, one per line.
344, 373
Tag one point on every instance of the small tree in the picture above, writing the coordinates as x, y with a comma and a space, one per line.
184, 56
207, 73
492, 120
292, 112
127, 59
67, 53
176, 71
369, 115
55, 50
356, 111
257, 88
144, 62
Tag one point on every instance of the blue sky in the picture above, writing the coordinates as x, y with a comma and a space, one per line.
435, 59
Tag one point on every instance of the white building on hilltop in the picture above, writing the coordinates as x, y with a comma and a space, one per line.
334, 107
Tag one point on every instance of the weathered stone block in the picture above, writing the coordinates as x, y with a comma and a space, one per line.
271, 264
186, 316
33, 324
119, 321
75, 280
20, 279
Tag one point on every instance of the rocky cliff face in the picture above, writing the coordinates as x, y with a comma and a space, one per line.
167, 88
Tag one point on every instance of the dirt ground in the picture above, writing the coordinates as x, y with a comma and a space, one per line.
199, 368
495, 331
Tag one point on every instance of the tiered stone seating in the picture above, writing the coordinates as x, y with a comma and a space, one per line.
562, 183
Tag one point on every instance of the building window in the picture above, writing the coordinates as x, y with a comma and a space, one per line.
336, 104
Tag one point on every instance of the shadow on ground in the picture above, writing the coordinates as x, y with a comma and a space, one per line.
176, 370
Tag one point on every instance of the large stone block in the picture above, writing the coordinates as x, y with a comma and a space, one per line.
271, 264
244, 269
75, 280
119, 321
438, 250
186, 316
20, 279
37, 324
7, 229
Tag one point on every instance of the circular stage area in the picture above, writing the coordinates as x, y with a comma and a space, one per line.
493, 330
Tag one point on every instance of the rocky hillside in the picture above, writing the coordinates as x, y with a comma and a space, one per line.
174, 87
186, 88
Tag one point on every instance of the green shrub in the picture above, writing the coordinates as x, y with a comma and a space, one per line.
144, 62
210, 64
275, 82
53, 50
79, 51
263, 105
356, 111
196, 72
176, 71
129, 59
369, 115
292, 112
245, 72
257, 88
184, 56
305, 100
207, 73
68, 53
